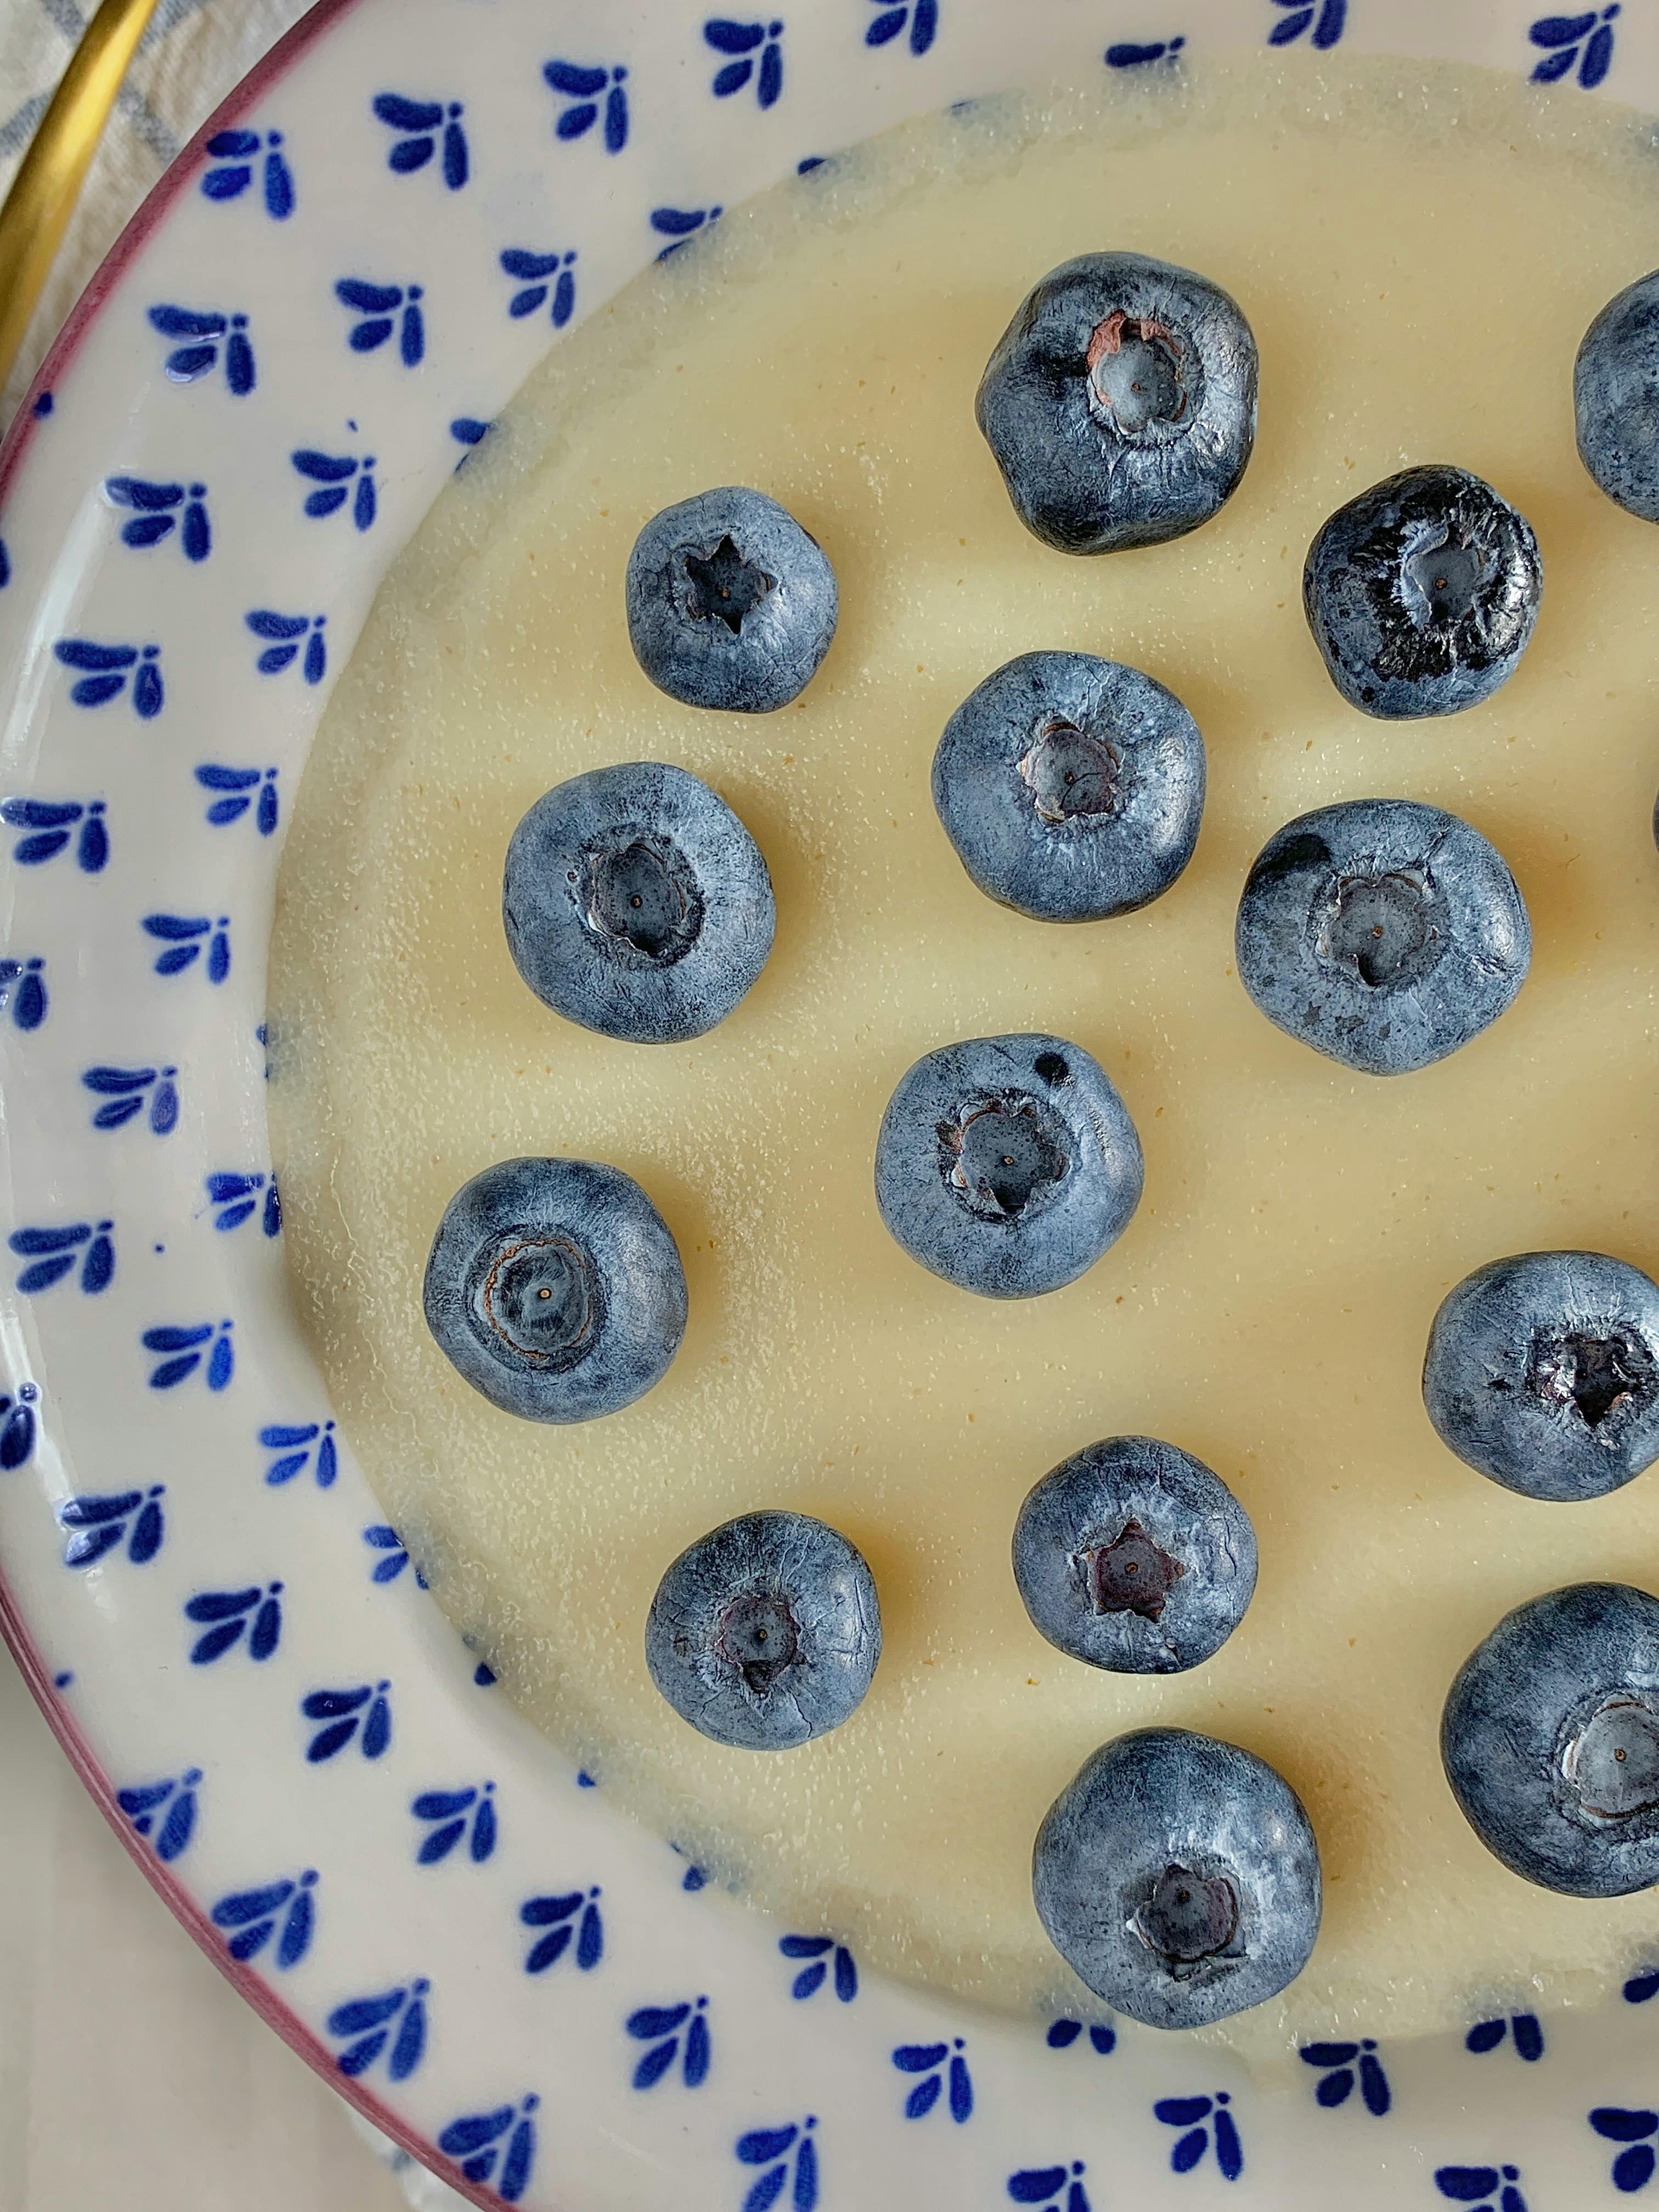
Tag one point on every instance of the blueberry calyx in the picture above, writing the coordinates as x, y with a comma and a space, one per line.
758, 1636
1589, 1376
643, 897
1003, 1157
1188, 1920
722, 586
1070, 773
1610, 1760
1137, 377
1449, 576
540, 1295
1131, 1574
1386, 924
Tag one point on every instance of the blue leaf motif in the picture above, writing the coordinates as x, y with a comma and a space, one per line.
726, 36
1338, 2065
1561, 30
574, 1913
936, 2062
423, 123
1127, 54
660, 2026
48, 824
474, 2142
1585, 40
344, 1713
365, 2026
335, 473
547, 274
185, 936
108, 667
585, 87
173, 1804
680, 225
233, 155
53, 1253
1208, 2122
293, 1445
729, 38
225, 1615
209, 332
23, 992
184, 1350
255, 1915
18, 1426
246, 790
1469, 2184
1328, 19
1045, 2184
446, 1811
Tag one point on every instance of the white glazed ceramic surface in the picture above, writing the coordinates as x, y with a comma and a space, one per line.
335, 290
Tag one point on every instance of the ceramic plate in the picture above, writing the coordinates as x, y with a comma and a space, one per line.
307, 326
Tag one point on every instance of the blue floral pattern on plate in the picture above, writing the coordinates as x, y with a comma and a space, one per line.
203, 492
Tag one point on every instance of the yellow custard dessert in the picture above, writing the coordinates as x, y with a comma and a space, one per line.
1419, 258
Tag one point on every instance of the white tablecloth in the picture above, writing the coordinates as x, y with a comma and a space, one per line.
131, 2075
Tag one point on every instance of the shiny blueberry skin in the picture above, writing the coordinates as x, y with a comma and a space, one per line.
731, 604
1615, 398
1178, 1876
554, 1288
1007, 1165
1383, 933
1543, 1372
1550, 1738
636, 903
1422, 593
1120, 403
765, 1632
1132, 1556
1072, 787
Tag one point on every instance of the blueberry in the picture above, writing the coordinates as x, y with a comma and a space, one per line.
1072, 787
554, 1288
1551, 1739
1422, 592
636, 903
1178, 1877
1131, 1556
1121, 403
1383, 933
1007, 1165
765, 1632
1615, 398
730, 602
1543, 1372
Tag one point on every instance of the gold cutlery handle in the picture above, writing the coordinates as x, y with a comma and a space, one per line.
49, 178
